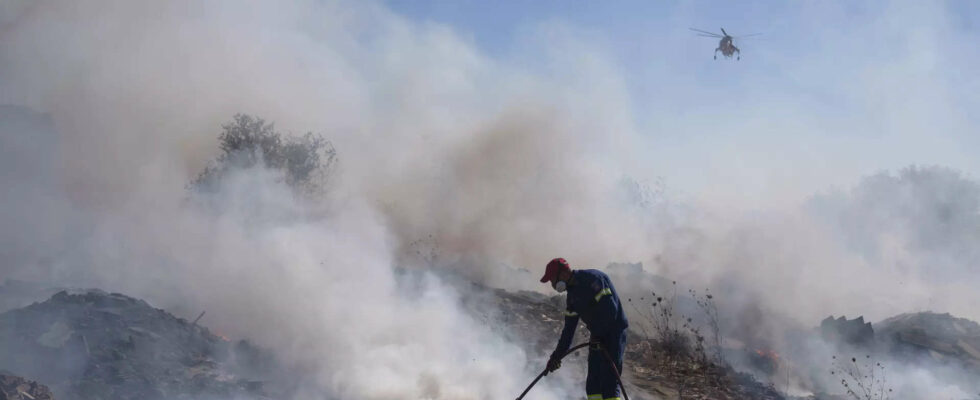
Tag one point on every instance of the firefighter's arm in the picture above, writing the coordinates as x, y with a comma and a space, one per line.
571, 322
567, 332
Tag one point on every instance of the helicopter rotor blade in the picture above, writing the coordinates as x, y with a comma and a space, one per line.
745, 36
723, 31
712, 34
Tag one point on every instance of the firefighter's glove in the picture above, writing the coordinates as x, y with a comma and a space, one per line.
553, 364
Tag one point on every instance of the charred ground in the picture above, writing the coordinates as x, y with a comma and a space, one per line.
85, 344
92, 344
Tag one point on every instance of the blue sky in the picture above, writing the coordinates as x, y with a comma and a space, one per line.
860, 86
831, 90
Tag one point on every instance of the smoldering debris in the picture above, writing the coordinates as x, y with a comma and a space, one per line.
683, 376
932, 352
942, 338
17, 388
92, 344
912, 338
534, 320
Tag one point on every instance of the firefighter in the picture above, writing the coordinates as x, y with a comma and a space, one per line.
593, 299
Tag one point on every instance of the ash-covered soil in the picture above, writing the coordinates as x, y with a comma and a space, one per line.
92, 344
939, 337
96, 345
535, 320
17, 388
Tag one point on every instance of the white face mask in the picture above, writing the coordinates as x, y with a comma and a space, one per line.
560, 286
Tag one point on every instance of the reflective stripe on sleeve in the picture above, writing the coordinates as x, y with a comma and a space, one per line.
594, 397
570, 314
602, 292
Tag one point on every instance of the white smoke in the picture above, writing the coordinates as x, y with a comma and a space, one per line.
498, 164
433, 139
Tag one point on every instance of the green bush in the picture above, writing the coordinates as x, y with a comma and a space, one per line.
247, 141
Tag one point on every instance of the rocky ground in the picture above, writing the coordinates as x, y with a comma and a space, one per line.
17, 388
650, 372
534, 319
97, 345
942, 338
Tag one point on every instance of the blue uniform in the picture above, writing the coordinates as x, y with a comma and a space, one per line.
593, 299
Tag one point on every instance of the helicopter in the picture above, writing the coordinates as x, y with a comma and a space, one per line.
726, 45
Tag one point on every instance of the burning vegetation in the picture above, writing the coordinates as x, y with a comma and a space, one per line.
86, 344
92, 344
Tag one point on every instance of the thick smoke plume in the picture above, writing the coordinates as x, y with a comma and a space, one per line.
433, 140
485, 167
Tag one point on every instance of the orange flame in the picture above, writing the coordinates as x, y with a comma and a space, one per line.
772, 355
218, 334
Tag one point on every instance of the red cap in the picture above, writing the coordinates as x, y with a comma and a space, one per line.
554, 267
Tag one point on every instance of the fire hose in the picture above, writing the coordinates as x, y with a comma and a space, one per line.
572, 350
